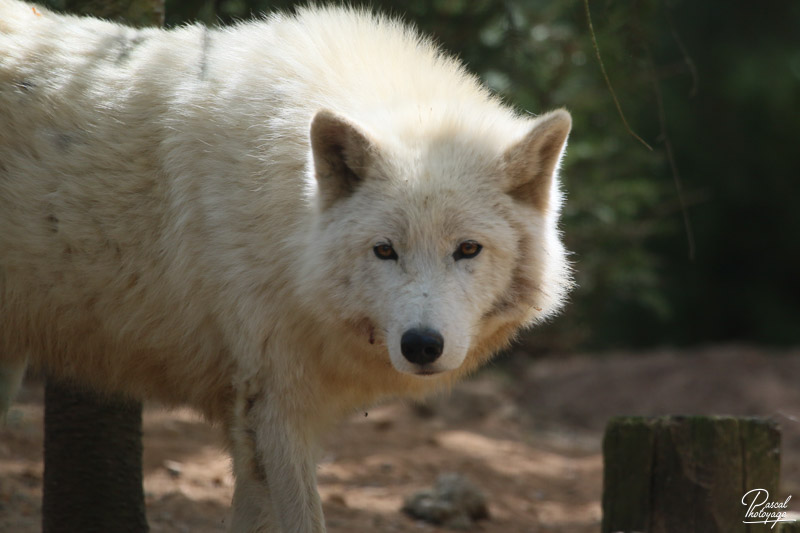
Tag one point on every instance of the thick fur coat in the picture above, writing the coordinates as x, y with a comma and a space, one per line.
276, 223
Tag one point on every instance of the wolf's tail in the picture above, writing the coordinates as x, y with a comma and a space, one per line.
11, 373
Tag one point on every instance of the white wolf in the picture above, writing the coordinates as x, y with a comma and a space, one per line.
276, 222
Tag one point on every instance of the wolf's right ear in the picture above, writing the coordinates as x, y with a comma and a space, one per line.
341, 153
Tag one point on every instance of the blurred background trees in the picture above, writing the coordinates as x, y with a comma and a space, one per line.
714, 84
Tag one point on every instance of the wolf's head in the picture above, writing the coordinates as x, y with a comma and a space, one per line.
438, 246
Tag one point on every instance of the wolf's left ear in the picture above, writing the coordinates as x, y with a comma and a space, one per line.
531, 163
341, 153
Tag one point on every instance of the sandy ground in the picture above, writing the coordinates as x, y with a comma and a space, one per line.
526, 432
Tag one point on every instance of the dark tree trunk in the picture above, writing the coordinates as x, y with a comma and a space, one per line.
93, 463
93, 445
133, 12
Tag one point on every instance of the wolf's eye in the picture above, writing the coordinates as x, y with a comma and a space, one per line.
385, 252
467, 250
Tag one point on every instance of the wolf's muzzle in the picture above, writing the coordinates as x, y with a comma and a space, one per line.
421, 346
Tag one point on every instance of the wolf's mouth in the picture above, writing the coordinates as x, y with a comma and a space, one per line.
425, 372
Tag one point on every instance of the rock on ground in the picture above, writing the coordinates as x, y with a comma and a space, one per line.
454, 502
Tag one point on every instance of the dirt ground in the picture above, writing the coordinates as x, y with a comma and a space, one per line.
527, 433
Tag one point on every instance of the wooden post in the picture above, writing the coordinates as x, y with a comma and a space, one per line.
93, 444
93, 463
681, 474
787, 527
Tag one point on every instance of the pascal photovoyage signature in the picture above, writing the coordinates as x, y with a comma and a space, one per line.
760, 510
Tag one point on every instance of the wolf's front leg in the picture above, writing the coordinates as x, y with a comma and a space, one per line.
252, 506
275, 468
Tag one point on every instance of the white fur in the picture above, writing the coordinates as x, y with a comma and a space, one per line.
167, 230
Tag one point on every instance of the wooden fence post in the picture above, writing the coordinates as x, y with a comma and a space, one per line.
686, 474
93, 463
93, 444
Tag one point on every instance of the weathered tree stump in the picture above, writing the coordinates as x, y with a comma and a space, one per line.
686, 474
787, 527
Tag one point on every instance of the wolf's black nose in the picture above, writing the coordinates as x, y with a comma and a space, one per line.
421, 346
